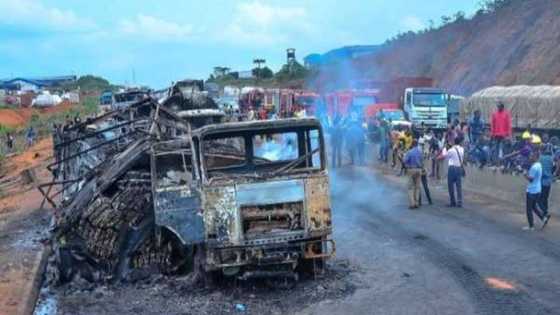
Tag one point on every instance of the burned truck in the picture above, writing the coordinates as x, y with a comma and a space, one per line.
244, 199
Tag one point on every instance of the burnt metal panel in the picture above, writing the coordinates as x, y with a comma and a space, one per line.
318, 203
179, 210
267, 193
221, 215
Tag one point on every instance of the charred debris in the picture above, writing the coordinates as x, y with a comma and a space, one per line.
167, 186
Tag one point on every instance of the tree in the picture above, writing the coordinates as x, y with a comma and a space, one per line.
431, 25
490, 6
459, 16
259, 62
263, 73
92, 83
292, 71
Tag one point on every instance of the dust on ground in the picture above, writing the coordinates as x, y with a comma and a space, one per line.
163, 295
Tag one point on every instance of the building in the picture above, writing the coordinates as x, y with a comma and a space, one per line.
36, 84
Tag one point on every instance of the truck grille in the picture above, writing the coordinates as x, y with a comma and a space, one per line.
260, 220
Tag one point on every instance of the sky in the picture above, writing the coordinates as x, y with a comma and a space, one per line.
146, 42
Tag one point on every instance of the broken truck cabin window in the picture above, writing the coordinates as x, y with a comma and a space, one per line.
224, 154
263, 153
174, 169
275, 147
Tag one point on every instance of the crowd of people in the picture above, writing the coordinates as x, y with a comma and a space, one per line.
421, 153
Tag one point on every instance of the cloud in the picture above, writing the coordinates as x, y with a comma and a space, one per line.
33, 14
258, 23
153, 28
412, 23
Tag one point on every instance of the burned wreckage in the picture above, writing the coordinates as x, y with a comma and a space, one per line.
151, 187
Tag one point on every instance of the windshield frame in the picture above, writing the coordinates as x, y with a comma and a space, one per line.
248, 135
441, 95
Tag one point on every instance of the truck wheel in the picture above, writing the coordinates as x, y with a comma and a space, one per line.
312, 266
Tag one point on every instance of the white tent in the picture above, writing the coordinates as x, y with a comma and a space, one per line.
538, 106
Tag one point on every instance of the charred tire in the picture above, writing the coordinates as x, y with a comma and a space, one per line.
115, 235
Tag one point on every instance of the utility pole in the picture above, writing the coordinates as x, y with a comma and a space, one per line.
258, 62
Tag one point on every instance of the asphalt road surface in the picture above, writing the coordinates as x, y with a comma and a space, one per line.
439, 260
434, 260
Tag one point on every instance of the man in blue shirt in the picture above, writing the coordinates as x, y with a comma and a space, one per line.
547, 162
414, 162
534, 189
476, 127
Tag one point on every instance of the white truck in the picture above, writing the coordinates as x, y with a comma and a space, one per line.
426, 105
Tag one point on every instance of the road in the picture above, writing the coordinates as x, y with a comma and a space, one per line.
439, 260
390, 260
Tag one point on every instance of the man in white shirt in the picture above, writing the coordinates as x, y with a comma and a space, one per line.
534, 189
455, 172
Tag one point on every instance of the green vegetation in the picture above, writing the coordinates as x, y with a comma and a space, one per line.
289, 76
92, 83
292, 71
263, 73
43, 123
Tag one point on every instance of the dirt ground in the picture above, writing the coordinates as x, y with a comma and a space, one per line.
23, 226
19, 117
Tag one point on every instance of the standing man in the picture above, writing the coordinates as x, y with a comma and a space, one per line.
455, 157
547, 164
500, 128
476, 127
413, 162
534, 189
30, 136
336, 141
9, 141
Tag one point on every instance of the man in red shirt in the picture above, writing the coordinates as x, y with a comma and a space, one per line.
500, 128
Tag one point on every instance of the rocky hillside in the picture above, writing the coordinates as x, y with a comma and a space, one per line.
517, 43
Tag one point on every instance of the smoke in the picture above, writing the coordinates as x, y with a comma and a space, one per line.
344, 73
361, 189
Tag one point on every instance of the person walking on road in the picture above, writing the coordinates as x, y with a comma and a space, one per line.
413, 162
455, 173
547, 163
534, 189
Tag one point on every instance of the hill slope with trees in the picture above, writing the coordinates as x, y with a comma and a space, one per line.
507, 42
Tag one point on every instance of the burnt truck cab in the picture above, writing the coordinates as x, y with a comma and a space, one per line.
251, 195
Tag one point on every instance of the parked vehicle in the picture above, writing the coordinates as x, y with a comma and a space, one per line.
395, 116
427, 106
128, 97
